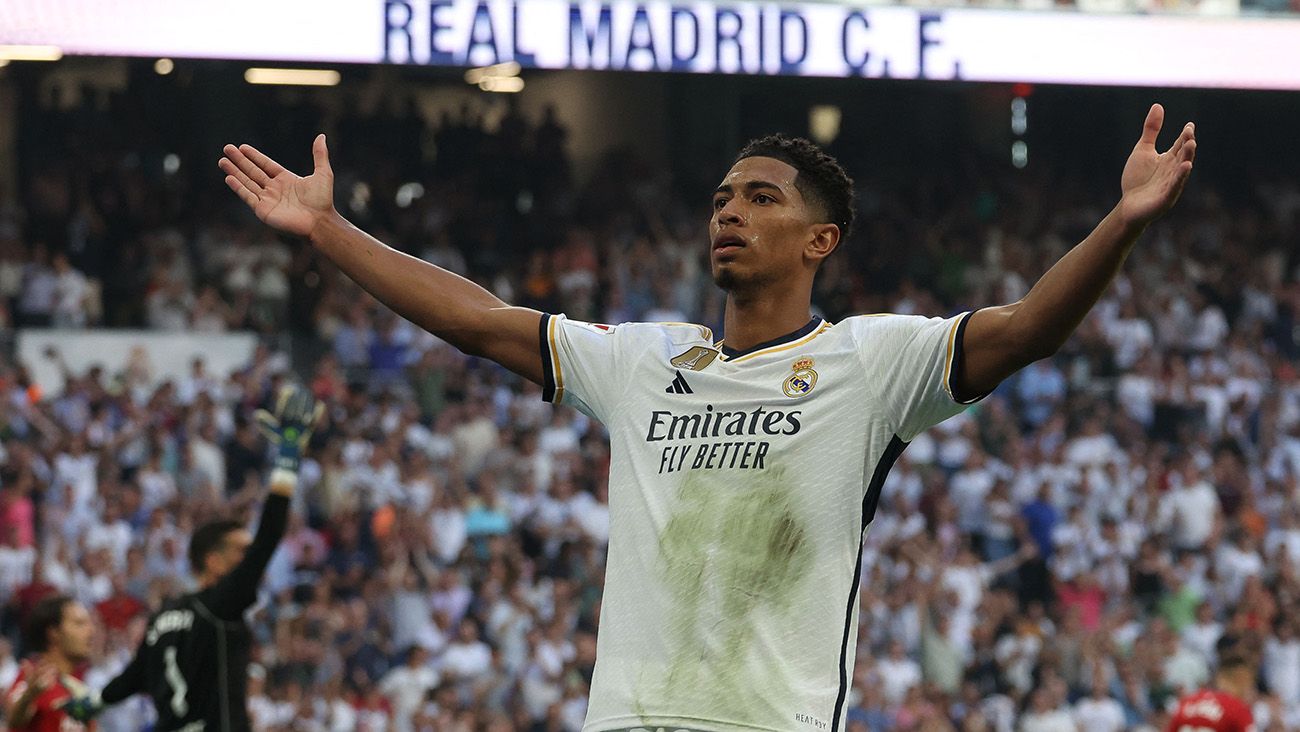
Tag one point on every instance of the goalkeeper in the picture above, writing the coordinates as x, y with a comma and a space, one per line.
193, 659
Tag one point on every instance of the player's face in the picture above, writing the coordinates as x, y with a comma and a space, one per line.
761, 226
232, 550
76, 632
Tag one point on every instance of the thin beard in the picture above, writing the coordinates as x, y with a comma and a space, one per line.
739, 288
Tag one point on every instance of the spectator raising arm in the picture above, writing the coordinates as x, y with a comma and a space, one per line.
445, 304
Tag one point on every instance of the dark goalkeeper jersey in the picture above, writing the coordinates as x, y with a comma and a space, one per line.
193, 660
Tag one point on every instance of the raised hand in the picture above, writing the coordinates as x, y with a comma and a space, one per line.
1152, 181
40, 674
289, 429
83, 708
288, 202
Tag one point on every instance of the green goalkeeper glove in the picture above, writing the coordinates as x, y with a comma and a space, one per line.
289, 429
83, 708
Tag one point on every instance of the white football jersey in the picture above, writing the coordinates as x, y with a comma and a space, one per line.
740, 488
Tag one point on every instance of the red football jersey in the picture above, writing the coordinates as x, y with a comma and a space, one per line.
47, 717
1212, 711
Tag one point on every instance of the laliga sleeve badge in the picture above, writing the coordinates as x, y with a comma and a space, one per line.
802, 380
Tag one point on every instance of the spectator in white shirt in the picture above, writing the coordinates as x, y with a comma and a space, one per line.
1137, 390
1282, 661
92, 581
1210, 326
1235, 560
1043, 716
39, 290
968, 489
71, 292
1202, 635
447, 526
1285, 537
16, 563
467, 658
1184, 669
1017, 654
169, 306
1093, 447
76, 468
110, 533
898, 673
1190, 511
1098, 712
407, 685
451, 595
591, 513
553, 649
1130, 335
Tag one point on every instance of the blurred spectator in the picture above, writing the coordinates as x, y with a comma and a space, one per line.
407, 685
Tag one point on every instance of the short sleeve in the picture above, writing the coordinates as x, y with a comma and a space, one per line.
1247, 717
912, 361
581, 364
17, 690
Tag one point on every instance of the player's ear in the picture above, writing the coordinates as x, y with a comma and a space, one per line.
823, 240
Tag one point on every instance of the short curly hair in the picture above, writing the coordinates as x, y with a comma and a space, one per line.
821, 180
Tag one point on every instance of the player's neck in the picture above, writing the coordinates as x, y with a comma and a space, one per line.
61, 662
1226, 683
751, 320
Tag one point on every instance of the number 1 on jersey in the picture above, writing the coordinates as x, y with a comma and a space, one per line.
176, 681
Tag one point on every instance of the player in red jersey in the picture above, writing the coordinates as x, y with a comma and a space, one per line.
1222, 708
58, 635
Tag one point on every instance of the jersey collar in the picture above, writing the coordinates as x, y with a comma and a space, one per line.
730, 353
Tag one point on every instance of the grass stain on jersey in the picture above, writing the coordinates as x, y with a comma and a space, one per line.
733, 548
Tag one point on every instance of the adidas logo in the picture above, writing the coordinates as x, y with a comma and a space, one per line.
679, 385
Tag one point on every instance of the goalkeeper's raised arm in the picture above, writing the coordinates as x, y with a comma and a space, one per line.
193, 660
443, 303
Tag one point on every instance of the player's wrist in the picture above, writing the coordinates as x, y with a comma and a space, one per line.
323, 224
84, 708
284, 477
1131, 222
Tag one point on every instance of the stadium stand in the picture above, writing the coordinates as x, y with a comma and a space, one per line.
1063, 556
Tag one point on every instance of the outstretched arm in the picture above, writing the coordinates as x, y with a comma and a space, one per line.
288, 429
443, 303
1000, 341
128, 682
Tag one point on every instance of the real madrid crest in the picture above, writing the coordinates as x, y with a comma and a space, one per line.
802, 380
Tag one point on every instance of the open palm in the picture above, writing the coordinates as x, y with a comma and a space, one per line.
1152, 181
283, 200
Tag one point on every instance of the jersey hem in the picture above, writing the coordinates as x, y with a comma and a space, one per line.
672, 724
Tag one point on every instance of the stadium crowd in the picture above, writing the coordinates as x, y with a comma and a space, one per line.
1062, 556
